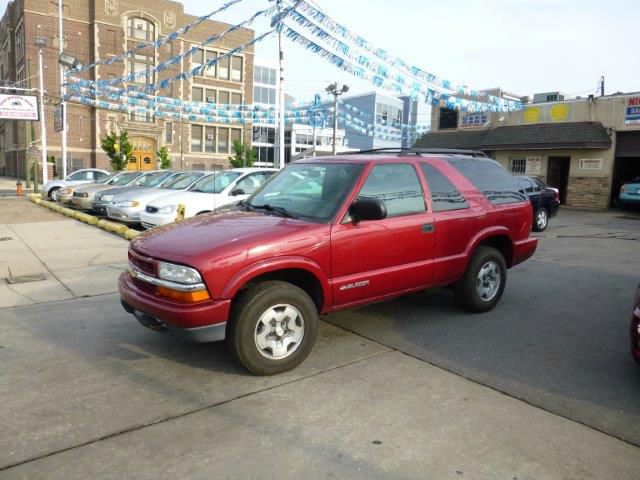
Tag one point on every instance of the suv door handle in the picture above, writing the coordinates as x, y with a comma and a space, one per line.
428, 228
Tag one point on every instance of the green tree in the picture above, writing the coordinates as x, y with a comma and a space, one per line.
242, 157
164, 157
118, 148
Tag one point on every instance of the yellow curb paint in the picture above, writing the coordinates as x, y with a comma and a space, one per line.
86, 218
113, 227
131, 234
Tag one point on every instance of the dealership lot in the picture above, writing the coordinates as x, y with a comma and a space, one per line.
86, 392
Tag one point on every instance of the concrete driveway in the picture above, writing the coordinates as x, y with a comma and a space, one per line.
85, 392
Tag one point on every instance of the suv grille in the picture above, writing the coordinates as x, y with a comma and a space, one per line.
144, 264
151, 209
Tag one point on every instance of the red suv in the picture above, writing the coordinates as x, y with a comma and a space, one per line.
327, 234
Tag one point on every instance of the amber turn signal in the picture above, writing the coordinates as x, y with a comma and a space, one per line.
196, 296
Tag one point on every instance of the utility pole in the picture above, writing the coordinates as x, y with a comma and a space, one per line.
336, 92
41, 43
63, 92
281, 146
602, 86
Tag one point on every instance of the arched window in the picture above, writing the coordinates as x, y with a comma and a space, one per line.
141, 29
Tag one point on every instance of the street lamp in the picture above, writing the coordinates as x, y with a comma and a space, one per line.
41, 42
335, 90
69, 61
72, 63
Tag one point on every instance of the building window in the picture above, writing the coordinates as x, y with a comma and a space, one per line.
141, 63
196, 138
518, 165
168, 133
196, 94
209, 139
19, 41
236, 98
211, 71
236, 135
146, 117
447, 119
223, 97
141, 29
223, 140
264, 75
223, 68
264, 95
197, 59
236, 69
210, 95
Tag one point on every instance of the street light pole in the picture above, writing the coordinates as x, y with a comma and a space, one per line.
63, 92
336, 92
41, 42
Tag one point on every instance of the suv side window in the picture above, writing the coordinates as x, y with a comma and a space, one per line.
398, 186
490, 178
444, 195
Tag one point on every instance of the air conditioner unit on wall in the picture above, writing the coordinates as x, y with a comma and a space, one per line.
211, 99
209, 136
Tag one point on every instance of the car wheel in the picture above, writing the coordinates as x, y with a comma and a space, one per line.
272, 327
541, 220
483, 283
53, 193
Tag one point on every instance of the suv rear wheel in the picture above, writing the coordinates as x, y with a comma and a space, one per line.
272, 328
482, 285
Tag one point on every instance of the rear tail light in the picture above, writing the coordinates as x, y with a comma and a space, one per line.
557, 194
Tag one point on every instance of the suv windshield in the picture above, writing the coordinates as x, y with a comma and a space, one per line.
153, 179
312, 191
181, 181
215, 183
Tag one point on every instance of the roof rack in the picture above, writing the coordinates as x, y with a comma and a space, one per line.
404, 152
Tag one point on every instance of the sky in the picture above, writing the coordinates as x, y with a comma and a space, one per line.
523, 46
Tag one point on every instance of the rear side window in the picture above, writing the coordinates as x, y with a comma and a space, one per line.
397, 185
491, 179
444, 196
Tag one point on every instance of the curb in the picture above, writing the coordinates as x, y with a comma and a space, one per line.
107, 225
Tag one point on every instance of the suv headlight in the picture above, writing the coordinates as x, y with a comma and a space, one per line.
167, 209
178, 273
129, 203
106, 198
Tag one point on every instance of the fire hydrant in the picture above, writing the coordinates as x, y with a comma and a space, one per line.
19, 191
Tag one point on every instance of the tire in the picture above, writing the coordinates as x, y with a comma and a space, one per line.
485, 264
541, 220
53, 193
252, 334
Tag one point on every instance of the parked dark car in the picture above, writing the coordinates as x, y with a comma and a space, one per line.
545, 200
635, 328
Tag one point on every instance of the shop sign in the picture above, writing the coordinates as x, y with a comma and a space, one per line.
474, 119
534, 165
532, 114
632, 114
591, 164
19, 107
58, 116
559, 112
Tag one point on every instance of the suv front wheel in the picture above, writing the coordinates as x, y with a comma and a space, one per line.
272, 328
483, 283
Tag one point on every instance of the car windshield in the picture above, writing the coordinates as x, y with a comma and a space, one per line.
123, 178
215, 183
107, 178
311, 191
539, 182
153, 179
181, 180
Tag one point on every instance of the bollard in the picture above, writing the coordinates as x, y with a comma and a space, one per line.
35, 177
180, 214
19, 191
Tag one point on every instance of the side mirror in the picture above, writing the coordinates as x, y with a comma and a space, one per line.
368, 208
237, 191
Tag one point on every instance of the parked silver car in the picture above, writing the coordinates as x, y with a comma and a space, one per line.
83, 195
51, 188
152, 179
127, 206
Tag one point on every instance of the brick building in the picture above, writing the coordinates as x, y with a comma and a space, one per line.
586, 147
100, 29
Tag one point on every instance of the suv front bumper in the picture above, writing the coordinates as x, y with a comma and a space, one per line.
199, 322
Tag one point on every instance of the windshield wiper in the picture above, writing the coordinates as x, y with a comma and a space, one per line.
270, 208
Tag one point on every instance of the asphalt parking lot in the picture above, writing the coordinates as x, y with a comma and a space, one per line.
541, 387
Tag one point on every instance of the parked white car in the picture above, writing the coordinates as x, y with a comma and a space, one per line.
206, 195
85, 175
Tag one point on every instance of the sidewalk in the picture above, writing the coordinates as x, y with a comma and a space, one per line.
8, 186
53, 258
